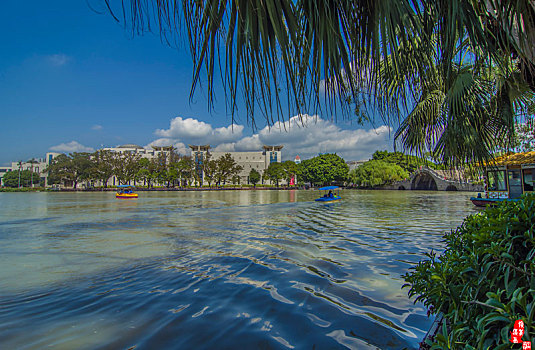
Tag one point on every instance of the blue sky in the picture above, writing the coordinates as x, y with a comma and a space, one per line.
73, 80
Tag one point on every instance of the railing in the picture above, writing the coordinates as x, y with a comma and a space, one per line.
441, 176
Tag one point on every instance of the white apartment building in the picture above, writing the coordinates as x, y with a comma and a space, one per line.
143, 152
258, 160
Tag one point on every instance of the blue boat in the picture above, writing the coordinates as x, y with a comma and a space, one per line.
330, 196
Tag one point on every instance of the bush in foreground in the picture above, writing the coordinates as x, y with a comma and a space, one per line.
484, 280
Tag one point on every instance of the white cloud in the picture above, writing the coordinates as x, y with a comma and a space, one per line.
225, 147
69, 147
185, 128
303, 135
229, 133
96, 127
195, 130
58, 59
307, 136
249, 143
183, 131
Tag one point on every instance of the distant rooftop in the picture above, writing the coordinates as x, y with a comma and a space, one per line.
130, 145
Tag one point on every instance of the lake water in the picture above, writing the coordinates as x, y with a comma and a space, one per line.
216, 270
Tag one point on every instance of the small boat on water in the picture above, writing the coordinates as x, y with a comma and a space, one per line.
330, 196
507, 178
125, 192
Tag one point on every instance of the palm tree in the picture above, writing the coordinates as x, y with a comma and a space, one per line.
32, 162
20, 166
309, 51
466, 115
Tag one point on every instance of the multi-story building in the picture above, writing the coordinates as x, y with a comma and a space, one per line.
36, 165
150, 154
143, 152
258, 160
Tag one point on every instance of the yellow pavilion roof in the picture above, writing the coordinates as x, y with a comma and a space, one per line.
514, 159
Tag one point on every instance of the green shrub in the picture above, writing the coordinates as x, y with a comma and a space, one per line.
484, 280
22, 189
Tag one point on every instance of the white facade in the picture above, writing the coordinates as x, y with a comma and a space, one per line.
150, 154
258, 160
143, 152
353, 164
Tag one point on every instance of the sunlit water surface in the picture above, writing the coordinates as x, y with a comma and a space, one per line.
216, 270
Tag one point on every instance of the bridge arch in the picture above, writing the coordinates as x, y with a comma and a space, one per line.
424, 181
451, 188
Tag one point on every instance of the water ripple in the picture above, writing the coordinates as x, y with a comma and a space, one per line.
207, 270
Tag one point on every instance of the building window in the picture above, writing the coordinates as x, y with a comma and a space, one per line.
272, 157
497, 180
529, 178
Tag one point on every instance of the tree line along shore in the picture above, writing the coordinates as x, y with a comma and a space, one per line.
94, 171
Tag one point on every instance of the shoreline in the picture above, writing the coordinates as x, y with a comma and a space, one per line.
189, 189
142, 189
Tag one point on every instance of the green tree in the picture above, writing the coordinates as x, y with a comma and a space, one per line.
172, 174
254, 177
11, 179
290, 170
465, 113
274, 173
32, 165
235, 180
525, 136
209, 169
159, 172
56, 168
226, 168
27, 177
145, 171
409, 163
126, 166
102, 166
325, 169
70, 169
186, 170
375, 173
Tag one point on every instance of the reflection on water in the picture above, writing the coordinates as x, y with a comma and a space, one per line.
221, 269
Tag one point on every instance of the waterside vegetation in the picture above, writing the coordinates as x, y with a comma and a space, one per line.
96, 169
387, 167
484, 280
24, 178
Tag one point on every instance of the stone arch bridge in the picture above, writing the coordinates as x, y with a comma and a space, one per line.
427, 179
